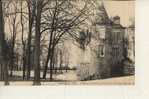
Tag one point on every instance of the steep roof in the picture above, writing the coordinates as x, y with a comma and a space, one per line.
132, 26
102, 14
117, 26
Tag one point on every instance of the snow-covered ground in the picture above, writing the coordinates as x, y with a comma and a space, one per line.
71, 78
127, 80
67, 76
70, 75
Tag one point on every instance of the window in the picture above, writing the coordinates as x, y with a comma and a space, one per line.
116, 37
82, 40
119, 38
116, 53
101, 50
85, 38
102, 33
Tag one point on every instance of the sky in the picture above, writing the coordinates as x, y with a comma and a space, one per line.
124, 9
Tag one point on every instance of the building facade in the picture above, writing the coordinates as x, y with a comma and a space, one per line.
101, 55
130, 36
117, 46
130, 50
99, 52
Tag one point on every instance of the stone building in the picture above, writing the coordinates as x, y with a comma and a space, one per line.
101, 55
99, 51
130, 36
117, 46
129, 67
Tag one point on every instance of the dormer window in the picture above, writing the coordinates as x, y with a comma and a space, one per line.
85, 38
102, 33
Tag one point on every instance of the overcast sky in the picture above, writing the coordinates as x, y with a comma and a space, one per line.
124, 9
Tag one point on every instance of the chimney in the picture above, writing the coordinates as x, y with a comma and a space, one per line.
116, 20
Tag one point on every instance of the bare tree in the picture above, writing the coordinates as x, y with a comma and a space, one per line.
31, 15
13, 26
39, 5
63, 17
3, 48
22, 39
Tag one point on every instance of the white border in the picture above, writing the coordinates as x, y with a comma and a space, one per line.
139, 91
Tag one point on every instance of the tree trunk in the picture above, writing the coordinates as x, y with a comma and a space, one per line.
23, 43
47, 61
51, 68
49, 55
61, 62
28, 56
3, 49
6, 77
51, 63
31, 16
24, 63
37, 44
12, 58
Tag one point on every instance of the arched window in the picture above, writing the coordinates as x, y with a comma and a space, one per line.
101, 50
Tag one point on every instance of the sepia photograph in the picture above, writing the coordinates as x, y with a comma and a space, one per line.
67, 42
